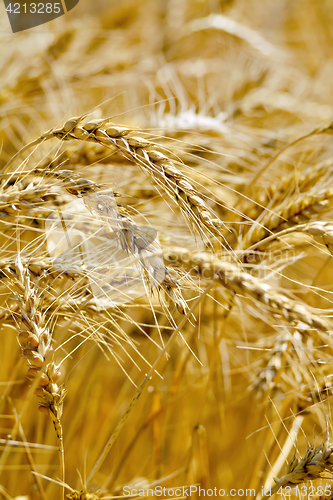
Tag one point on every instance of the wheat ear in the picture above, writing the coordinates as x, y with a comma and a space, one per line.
36, 342
233, 278
276, 192
310, 467
319, 130
305, 205
74, 184
16, 199
147, 156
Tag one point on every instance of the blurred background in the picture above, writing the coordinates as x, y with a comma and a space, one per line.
223, 84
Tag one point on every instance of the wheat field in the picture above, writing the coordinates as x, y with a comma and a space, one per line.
166, 262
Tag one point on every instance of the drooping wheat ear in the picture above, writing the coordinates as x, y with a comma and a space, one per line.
233, 278
294, 211
36, 341
146, 155
311, 466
